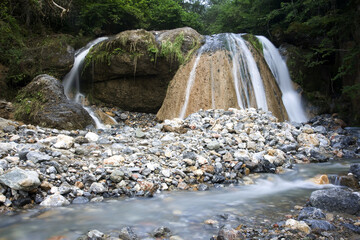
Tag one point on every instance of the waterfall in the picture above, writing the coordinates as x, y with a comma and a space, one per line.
72, 79
244, 64
189, 85
290, 98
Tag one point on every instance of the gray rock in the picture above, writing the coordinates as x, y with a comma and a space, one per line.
213, 145
49, 107
55, 200
37, 156
162, 232
127, 233
139, 133
311, 213
80, 200
19, 179
97, 187
95, 234
319, 225
337, 200
355, 169
117, 175
228, 233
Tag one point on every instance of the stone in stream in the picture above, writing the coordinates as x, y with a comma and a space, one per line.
19, 179
228, 233
127, 233
337, 200
92, 137
162, 232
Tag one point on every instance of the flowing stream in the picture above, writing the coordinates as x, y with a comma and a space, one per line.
71, 81
266, 201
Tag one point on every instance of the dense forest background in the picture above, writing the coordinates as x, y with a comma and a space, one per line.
321, 37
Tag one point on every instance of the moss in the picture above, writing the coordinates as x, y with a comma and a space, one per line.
254, 41
172, 50
27, 105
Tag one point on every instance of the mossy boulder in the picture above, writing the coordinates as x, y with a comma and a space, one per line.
132, 70
43, 102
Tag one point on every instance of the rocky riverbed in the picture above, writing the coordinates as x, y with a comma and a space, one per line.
209, 149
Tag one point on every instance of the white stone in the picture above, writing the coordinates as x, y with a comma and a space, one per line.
92, 137
298, 225
55, 200
64, 142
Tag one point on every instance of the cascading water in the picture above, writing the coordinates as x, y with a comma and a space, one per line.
291, 99
189, 85
246, 75
71, 81
245, 66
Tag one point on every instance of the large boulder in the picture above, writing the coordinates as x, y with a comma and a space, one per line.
336, 200
207, 81
19, 179
133, 69
43, 102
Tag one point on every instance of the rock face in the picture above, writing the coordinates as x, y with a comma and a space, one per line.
44, 103
133, 69
52, 54
336, 199
19, 179
213, 84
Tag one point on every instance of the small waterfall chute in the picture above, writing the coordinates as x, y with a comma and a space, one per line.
71, 81
291, 99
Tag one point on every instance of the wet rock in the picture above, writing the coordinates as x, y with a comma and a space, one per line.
127, 233
44, 103
311, 213
355, 169
319, 225
55, 200
228, 233
336, 199
19, 179
162, 232
116, 176
95, 234
352, 227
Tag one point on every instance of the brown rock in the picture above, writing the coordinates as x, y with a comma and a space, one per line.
135, 68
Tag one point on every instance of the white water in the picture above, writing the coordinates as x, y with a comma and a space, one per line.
71, 81
290, 98
249, 63
189, 85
